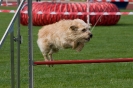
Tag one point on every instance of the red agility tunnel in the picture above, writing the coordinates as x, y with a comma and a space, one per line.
45, 19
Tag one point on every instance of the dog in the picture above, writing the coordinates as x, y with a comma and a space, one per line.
62, 35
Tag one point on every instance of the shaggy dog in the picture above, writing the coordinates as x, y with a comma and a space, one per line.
62, 35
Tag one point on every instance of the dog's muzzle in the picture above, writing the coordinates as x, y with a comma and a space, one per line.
90, 36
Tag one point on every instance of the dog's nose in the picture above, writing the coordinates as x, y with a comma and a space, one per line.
91, 35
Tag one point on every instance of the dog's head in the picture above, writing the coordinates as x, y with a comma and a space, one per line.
80, 31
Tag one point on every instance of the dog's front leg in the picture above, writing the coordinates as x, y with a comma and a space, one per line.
74, 45
79, 46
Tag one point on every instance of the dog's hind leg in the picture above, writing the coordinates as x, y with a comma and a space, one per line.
43, 48
45, 51
50, 58
51, 52
45, 57
50, 55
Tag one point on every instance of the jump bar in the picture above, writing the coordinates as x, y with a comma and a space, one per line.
83, 61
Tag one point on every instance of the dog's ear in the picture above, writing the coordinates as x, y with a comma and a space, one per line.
73, 28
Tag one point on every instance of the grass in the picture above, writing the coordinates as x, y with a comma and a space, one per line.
108, 42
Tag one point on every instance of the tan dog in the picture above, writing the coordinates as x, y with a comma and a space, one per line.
62, 35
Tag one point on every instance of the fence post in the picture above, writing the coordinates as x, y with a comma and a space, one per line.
30, 38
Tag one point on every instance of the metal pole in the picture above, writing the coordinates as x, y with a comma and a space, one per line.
18, 49
12, 59
88, 16
11, 22
30, 36
1, 2
6, 2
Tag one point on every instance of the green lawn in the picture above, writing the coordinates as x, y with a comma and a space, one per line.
108, 42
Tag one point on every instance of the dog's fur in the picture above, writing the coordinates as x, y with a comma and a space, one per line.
62, 35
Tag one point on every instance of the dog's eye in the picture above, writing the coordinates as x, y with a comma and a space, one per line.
83, 30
